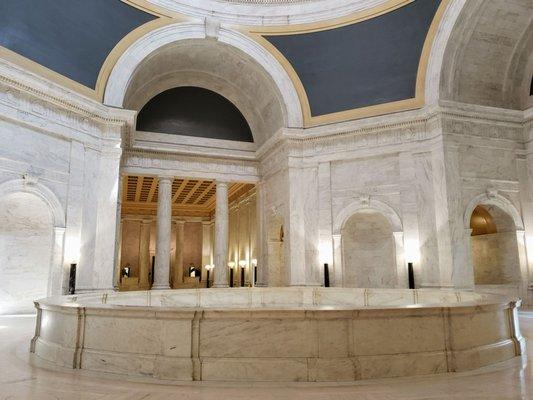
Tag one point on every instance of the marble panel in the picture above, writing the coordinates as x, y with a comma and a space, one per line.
472, 329
237, 297
59, 328
373, 335
392, 297
171, 368
118, 363
334, 370
334, 336
425, 296
477, 357
55, 353
389, 366
258, 338
119, 334
246, 369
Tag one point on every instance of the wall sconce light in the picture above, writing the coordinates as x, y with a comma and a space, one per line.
242, 264
208, 269
231, 265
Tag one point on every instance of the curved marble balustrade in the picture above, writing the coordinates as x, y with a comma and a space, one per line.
277, 334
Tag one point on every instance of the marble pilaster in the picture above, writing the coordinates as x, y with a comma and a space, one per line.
325, 223
177, 276
55, 278
221, 235
164, 214
262, 236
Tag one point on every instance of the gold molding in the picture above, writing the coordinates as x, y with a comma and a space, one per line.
258, 33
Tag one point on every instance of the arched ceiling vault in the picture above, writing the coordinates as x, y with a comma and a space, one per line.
489, 55
218, 67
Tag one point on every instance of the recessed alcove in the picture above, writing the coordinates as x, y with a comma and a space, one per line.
194, 111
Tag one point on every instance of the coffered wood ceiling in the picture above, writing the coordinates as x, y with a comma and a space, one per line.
190, 197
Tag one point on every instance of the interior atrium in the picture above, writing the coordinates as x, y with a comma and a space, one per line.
266, 199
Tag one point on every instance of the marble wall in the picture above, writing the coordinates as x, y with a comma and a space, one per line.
423, 170
64, 149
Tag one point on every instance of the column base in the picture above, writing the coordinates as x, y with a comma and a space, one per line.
160, 287
220, 285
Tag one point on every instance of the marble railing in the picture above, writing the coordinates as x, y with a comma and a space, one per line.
277, 334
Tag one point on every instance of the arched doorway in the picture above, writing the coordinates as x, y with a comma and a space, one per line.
26, 250
494, 250
368, 251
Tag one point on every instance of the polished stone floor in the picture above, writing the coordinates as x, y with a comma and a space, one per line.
20, 380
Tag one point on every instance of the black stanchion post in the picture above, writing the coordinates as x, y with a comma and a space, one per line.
72, 279
411, 275
326, 275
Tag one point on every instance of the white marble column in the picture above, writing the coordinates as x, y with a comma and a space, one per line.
144, 254
164, 214
522, 259
221, 235
178, 259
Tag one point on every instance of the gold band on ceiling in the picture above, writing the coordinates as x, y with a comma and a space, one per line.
256, 33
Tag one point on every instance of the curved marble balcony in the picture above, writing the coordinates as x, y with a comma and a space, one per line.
277, 334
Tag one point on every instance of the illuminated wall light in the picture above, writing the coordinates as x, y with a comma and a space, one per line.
529, 248
412, 251
325, 252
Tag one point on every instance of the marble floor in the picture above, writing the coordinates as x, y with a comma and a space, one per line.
20, 380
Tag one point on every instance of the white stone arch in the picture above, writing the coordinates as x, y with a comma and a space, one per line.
438, 48
370, 205
495, 200
125, 67
31, 186
395, 221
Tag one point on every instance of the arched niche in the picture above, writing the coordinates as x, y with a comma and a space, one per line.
380, 236
368, 251
497, 245
32, 227
194, 111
